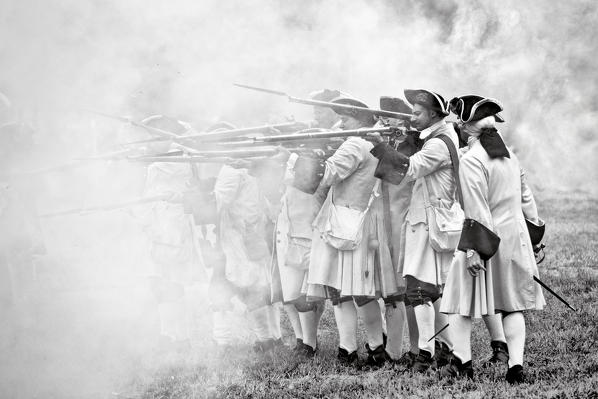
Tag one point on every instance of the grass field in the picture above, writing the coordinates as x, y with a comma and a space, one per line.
561, 349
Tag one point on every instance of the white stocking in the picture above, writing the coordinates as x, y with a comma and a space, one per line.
274, 321
295, 320
395, 321
440, 322
372, 318
514, 326
494, 326
425, 316
259, 323
460, 327
346, 322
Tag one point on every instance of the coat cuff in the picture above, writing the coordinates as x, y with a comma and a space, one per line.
308, 174
478, 237
392, 165
536, 231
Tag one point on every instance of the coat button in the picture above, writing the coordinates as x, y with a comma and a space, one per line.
277, 240
367, 273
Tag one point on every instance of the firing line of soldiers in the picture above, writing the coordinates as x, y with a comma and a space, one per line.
391, 214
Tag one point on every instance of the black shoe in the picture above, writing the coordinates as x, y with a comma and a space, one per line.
515, 375
500, 354
346, 358
307, 351
422, 362
406, 359
376, 357
442, 354
455, 369
298, 346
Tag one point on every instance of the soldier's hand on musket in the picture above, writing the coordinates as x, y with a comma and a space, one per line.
283, 154
376, 138
474, 263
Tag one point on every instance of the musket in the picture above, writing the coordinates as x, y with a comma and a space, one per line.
120, 154
386, 131
151, 129
225, 153
142, 200
316, 103
188, 159
226, 134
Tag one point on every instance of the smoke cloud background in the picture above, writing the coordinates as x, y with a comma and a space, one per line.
179, 58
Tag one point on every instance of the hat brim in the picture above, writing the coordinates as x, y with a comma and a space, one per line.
411, 95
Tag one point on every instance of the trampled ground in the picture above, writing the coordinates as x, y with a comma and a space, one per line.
561, 358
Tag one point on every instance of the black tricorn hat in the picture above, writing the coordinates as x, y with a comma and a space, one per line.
428, 99
355, 113
471, 108
394, 104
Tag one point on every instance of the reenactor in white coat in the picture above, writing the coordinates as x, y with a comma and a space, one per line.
352, 277
424, 268
494, 269
293, 240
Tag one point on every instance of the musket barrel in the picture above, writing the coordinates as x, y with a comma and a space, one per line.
142, 200
377, 112
311, 136
159, 132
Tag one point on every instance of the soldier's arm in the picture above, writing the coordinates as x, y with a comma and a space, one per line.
528, 203
345, 160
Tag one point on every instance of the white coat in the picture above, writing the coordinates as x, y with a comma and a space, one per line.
495, 194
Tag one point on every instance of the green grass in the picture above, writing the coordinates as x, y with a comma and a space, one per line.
561, 350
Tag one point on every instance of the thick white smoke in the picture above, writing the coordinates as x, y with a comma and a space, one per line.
180, 58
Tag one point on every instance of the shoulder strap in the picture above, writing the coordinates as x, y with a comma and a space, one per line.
455, 161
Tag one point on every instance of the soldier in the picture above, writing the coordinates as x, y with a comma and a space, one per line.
396, 203
324, 117
244, 214
293, 241
347, 270
424, 268
493, 271
174, 257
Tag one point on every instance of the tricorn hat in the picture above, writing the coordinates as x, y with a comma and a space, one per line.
428, 99
471, 108
354, 113
325, 95
394, 104
166, 123
220, 126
